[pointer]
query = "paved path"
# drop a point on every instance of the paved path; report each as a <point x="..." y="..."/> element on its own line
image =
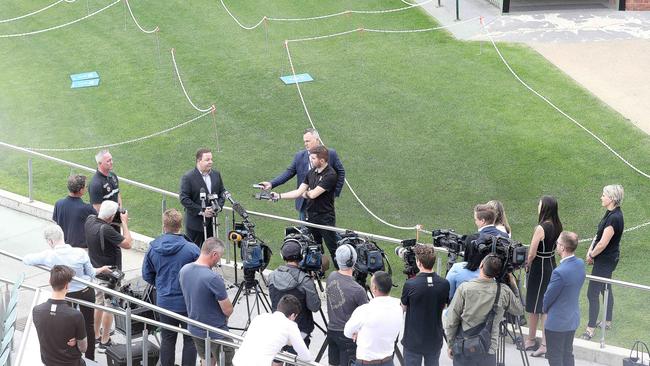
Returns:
<point x="22" y="234"/>
<point x="606" y="51"/>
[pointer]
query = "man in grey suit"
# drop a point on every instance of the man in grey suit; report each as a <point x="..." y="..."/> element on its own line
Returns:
<point x="561" y="302"/>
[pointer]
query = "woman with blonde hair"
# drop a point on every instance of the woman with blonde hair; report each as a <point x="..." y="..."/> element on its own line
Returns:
<point x="603" y="253"/>
<point x="501" y="222"/>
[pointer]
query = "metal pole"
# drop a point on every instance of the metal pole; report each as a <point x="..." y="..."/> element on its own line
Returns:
<point x="438" y="263"/>
<point x="30" y="180"/>
<point x="145" y="351"/>
<point x="603" y="322"/>
<point x="163" y="207"/>
<point x="457" y="11"/>
<point x="129" y="351"/>
<point x="222" y="355"/>
<point x="208" y="354"/>
<point x="439" y="5"/>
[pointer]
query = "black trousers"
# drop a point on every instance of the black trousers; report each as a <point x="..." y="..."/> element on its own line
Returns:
<point x="484" y="360"/>
<point x="87" y="294"/>
<point x="197" y="236"/>
<point x="341" y="350"/>
<point x="602" y="268"/>
<point x="329" y="237"/>
<point x="559" y="348"/>
<point x="168" y="343"/>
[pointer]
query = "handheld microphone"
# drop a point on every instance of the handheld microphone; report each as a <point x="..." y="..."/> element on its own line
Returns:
<point x="258" y="186"/>
<point x="202" y="197"/>
<point x="235" y="205"/>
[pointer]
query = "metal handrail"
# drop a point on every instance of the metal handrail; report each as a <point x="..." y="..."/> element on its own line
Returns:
<point x="175" y="195"/>
<point x="146" y="305"/>
<point x="281" y="356"/>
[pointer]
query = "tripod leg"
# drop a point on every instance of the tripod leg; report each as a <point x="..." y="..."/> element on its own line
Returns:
<point x="522" y="351"/>
<point x="321" y="352"/>
<point x="398" y="354"/>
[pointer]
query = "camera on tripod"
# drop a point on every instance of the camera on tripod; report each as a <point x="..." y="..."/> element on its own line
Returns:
<point x="311" y="252"/>
<point x="254" y="253"/>
<point x="512" y="253"/>
<point x="407" y="253"/>
<point x="370" y="258"/>
<point x="452" y="241"/>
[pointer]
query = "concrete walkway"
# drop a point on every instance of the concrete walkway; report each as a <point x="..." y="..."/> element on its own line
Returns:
<point x="606" y="51"/>
<point x="22" y="233"/>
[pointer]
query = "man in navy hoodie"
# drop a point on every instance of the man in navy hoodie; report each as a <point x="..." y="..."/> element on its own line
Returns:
<point x="166" y="256"/>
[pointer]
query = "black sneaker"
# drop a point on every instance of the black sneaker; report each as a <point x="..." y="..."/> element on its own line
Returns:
<point x="103" y="346"/>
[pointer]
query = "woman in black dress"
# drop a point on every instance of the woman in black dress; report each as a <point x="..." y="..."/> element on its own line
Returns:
<point x="603" y="253"/>
<point x="540" y="264"/>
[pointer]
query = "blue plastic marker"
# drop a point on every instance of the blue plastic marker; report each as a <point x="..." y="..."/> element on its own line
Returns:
<point x="300" y="78"/>
<point x="84" y="76"/>
<point x="84" y="83"/>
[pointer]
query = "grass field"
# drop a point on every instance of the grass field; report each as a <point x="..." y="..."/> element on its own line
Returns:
<point x="426" y="126"/>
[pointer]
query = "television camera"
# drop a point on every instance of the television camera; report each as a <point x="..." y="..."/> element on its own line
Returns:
<point x="370" y="257"/>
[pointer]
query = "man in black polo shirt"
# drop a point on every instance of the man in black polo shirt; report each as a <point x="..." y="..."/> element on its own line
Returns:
<point x="60" y="328"/>
<point x="105" y="185"/>
<point x="104" y="249"/>
<point x="70" y="213"/>
<point x="423" y="298"/>
<point x="318" y="189"/>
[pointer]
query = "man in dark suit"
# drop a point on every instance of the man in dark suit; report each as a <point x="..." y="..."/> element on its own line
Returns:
<point x="201" y="178"/>
<point x="300" y="166"/>
<point x="561" y="302"/>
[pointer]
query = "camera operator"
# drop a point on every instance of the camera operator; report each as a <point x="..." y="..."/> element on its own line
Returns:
<point x="344" y="295"/>
<point x="423" y="299"/>
<point x="289" y="279"/>
<point x="260" y="345"/>
<point x="484" y="218"/>
<point x="166" y="256"/>
<point x="301" y="165"/>
<point x="198" y="182"/>
<point x="104" y="249"/>
<point x="105" y="185"/>
<point x="77" y="259"/>
<point x="71" y="212"/>
<point x="471" y="305"/>
<point x="465" y="271"/>
<point x="318" y="190"/>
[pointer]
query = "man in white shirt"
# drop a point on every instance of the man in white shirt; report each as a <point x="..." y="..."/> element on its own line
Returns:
<point x="375" y="326"/>
<point x="268" y="333"/>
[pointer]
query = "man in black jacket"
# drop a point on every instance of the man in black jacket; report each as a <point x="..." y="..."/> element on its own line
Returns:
<point x="198" y="180"/>
<point x="290" y="279"/>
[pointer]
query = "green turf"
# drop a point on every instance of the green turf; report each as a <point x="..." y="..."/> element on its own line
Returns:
<point x="427" y="126"/>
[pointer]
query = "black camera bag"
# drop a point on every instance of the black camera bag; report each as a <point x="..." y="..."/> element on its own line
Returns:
<point x="476" y="341"/>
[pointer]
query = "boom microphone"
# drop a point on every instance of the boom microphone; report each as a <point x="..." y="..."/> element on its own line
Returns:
<point x="236" y="206"/>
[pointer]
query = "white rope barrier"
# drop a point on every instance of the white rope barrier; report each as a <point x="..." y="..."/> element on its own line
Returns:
<point x="138" y="139"/>
<point x="59" y="26"/>
<point x="210" y="109"/>
<point x="35" y="12"/>
<point x="319" y="17"/>
<point x="596" y="137"/>
<point x="136" y="22"/>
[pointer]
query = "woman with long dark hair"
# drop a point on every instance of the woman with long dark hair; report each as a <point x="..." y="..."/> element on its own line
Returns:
<point x="540" y="264"/>
<point x="603" y="253"/>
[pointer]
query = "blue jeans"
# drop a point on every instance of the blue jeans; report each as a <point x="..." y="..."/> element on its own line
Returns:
<point x="412" y="358"/>
<point x="168" y="343"/>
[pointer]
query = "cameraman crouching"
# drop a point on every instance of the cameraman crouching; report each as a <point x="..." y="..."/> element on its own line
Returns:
<point x="470" y="308"/>
<point x="289" y="279"/>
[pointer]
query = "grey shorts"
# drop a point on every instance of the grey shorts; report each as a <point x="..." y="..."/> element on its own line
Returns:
<point x="215" y="350"/>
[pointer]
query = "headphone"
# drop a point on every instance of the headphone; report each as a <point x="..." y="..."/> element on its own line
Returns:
<point x="350" y="262"/>
<point x="287" y="241"/>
